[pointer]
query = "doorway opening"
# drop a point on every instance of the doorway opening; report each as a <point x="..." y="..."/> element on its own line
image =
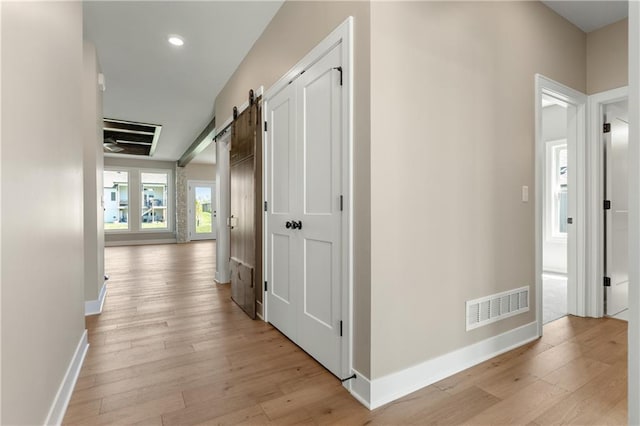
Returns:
<point x="202" y="210"/>
<point x="556" y="208"/>
<point x="560" y="200"/>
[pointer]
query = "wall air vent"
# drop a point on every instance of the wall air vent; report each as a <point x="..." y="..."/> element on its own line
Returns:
<point x="128" y="137"/>
<point x="499" y="306"/>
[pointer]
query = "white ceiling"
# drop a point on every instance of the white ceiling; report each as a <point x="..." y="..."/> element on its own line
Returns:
<point x="148" y="80"/>
<point x="590" y="15"/>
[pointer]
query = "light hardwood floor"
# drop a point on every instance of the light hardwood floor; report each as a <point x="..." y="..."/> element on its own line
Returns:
<point x="171" y="348"/>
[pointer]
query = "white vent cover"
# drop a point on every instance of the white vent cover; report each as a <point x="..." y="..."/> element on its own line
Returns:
<point x="493" y="308"/>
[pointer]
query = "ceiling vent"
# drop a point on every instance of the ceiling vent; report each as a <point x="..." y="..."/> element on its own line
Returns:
<point x="127" y="137"/>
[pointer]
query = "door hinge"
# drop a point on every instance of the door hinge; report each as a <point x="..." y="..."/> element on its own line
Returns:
<point x="265" y="126"/>
<point x="340" y="71"/>
<point x="606" y="127"/>
<point x="340" y="328"/>
<point x="265" y="286"/>
<point x="607" y="281"/>
<point x="341" y="203"/>
<point x="607" y="204"/>
<point x="265" y="206"/>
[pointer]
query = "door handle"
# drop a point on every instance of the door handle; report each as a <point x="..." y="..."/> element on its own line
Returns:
<point x="293" y="224"/>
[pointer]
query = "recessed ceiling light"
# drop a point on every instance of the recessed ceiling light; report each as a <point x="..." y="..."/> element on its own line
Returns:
<point x="176" y="40"/>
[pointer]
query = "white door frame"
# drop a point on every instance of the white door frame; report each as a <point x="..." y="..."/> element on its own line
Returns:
<point x="634" y="213"/>
<point x="576" y="297"/>
<point x="595" y="198"/>
<point x="190" y="202"/>
<point x="342" y="34"/>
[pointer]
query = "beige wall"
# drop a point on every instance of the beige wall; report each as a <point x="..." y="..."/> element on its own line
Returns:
<point x="93" y="167"/>
<point x="134" y="165"/>
<point x="607" y="57"/>
<point x="42" y="202"/>
<point x="200" y="171"/>
<point x="452" y="125"/>
<point x="293" y="32"/>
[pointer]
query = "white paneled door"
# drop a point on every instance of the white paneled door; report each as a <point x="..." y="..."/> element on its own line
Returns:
<point x="616" y="218"/>
<point x="304" y="216"/>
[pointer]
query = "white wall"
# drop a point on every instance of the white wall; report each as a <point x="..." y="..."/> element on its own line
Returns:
<point x="42" y="202"/>
<point x="93" y="176"/>
<point x="554" y="127"/>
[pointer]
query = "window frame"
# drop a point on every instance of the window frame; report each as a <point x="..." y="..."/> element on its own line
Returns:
<point x="169" y="189"/>
<point x="128" y="172"/>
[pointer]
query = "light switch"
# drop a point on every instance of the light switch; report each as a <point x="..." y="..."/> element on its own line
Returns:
<point x="525" y="194"/>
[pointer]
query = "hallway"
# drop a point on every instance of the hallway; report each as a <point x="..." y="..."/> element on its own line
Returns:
<point x="171" y="348"/>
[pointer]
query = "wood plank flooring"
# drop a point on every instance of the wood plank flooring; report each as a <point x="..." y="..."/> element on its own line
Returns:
<point x="170" y="348"/>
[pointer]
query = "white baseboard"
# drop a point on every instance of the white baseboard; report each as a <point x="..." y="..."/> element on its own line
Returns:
<point x="139" y="242"/>
<point x="388" y="388"/>
<point x="360" y="388"/>
<point x="94" y="307"/>
<point x="260" y="310"/>
<point x="61" y="401"/>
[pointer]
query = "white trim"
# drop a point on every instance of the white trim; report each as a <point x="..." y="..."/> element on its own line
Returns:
<point x="134" y="178"/>
<point x="360" y="388"/>
<point x="576" y="263"/>
<point x="260" y="309"/>
<point x="634" y="214"/>
<point x="343" y="34"/>
<point x="375" y="393"/>
<point x="595" y="195"/>
<point x="94" y="307"/>
<point x="63" y="396"/>
<point x="139" y="242"/>
<point x="169" y="202"/>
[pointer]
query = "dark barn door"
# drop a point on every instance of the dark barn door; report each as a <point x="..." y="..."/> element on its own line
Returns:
<point x="246" y="213"/>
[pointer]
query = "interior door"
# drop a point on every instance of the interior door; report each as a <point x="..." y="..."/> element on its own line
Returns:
<point x="617" y="225"/>
<point x="202" y="211"/>
<point x="319" y="185"/>
<point x="282" y="252"/>
<point x="304" y="164"/>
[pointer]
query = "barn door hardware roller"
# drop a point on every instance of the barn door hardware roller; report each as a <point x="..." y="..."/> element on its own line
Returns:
<point x="252" y="97"/>
<point x="235" y="112"/>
